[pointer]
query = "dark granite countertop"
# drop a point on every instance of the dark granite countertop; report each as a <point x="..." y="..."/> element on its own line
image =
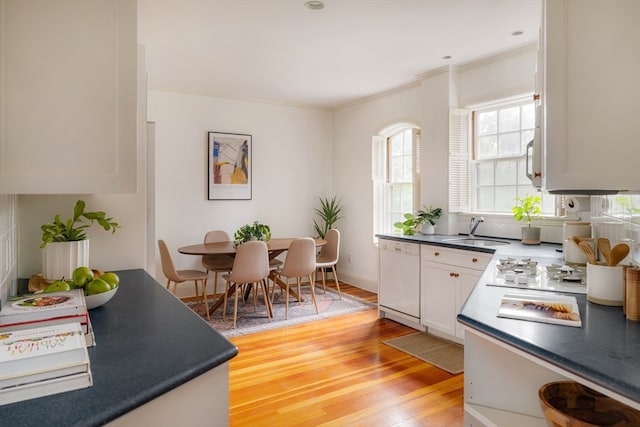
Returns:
<point x="605" y="350"/>
<point x="147" y="343"/>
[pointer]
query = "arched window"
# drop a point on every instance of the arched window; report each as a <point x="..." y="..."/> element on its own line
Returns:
<point x="396" y="175"/>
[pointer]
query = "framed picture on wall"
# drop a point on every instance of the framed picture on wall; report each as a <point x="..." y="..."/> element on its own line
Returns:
<point x="229" y="166"/>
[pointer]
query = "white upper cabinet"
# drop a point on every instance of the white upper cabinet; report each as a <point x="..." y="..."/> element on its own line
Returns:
<point x="591" y="94"/>
<point x="68" y="96"/>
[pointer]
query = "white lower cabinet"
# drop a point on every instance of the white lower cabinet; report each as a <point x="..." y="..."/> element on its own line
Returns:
<point x="447" y="277"/>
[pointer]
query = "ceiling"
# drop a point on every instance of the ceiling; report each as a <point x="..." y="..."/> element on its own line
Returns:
<point x="282" y="52"/>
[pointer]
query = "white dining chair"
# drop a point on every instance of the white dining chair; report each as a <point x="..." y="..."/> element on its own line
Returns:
<point x="217" y="263"/>
<point x="300" y="262"/>
<point x="328" y="258"/>
<point x="250" y="266"/>
<point x="180" y="276"/>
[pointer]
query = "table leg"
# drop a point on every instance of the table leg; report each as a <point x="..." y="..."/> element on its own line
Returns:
<point x="220" y="301"/>
<point x="273" y="276"/>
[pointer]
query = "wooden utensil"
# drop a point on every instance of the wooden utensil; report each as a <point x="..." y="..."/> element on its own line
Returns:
<point x="618" y="253"/>
<point x="604" y="246"/>
<point x="587" y="250"/>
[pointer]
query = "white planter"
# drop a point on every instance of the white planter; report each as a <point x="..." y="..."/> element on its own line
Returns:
<point x="428" y="228"/>
<point x="59" y="259"/>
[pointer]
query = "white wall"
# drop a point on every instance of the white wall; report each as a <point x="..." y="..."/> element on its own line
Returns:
<point x="292" y="167"/>
<point x="353" y="128"/>
<point x="426" y="104"/>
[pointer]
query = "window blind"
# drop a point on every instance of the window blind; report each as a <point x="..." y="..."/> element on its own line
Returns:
<point x="459" y="146"/>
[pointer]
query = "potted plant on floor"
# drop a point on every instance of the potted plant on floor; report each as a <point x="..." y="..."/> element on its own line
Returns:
<point x="426" y="216"/>
<point x="329" y="213"/>
<point x="255" y="231"/>
<point x="65" y="245"/>
<point x="528" y="209"/>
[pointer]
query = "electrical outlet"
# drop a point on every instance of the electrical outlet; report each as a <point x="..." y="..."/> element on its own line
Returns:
<point x="348" y="257"/>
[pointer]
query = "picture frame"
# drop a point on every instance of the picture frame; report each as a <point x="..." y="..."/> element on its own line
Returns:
<point x="229" y="166"/>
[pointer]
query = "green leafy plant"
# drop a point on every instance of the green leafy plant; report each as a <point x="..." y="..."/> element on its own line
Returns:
<point x="248" y="232"/>
<point x="329" y="213"/>
<point x="412" y="221"/>
<point x="73" y="229"/>
<point x="527" y="209"/>
<point x="429" y="214"/>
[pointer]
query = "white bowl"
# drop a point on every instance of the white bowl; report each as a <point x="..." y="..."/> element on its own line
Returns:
<point x="96" y="300"/>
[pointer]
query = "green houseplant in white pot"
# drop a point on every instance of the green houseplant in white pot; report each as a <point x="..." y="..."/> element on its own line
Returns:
<point x="65" y="245"/>
<point x="425" y="216"/>
<point x="528" y="209"/>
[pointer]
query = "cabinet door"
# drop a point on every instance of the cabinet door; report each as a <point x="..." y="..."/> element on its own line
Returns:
<point x="438" y="296"/>
<point x="467" y="281"/>
<point x="445" y="288"/>
<point x="591" y="92"/>
<point x="68" y="96"/>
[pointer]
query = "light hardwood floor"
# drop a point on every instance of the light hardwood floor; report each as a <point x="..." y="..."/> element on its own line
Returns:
<point x="337" y="372"/>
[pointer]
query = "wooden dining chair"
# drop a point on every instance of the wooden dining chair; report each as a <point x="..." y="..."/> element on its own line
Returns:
<point x="328" y="258"/>
<point x="217" y="263"/>
<point x="250" y="266"/>
<point x="181" y="276"/>
<point x="300" y="262"/>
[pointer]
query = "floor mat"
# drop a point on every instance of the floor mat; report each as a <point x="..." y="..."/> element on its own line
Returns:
<point x="436" y="351"/>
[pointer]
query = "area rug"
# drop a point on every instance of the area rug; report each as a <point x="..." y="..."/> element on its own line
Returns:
<point x="436" y="351"/>
<point x="250" y="321"/>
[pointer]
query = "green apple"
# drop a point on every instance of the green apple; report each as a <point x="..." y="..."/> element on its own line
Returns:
<point x="96" y="286"/>
<point x="111" y="278"/>
<point x="57" y="286"/>
<point x="81" y="276"/>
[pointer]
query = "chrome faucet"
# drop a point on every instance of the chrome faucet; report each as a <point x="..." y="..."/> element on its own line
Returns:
<point x="473" y="225"/>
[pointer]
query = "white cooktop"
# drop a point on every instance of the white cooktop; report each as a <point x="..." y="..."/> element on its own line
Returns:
<point x="528" y="274"/>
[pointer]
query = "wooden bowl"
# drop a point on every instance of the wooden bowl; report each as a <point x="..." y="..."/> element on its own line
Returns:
<point x="570" y="404"/>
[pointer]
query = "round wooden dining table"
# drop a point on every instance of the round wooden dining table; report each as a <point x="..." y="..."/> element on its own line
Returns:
<point x="275" y="246"/>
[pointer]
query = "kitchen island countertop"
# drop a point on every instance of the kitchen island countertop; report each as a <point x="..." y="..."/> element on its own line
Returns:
<point x="604" y="352"/>
<point x="147" y="344"/>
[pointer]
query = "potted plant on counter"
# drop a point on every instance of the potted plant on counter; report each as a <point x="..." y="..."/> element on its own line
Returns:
<point x="528" y="209"/>
<point x="255" y="231"/>
<point x="425" y="217"/>
<point x="65" y="245"/>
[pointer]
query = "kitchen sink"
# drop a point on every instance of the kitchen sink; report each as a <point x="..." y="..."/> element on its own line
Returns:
<point x="477" y="241"/>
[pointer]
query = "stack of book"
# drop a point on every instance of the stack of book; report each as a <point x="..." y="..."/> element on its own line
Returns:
<point x="47" y="309"/>
<point x="42" y="361"/>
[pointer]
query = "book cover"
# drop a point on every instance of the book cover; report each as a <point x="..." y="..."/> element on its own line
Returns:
<point x="35" y="307"/>
<point x="45" y="374"/>
<point x="41" y="349"/>
<point x="556" y="309"/>
<point x="82" y="319"/>
<point x="45" y="388"/>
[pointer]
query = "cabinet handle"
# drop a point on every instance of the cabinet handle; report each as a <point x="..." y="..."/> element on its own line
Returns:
<point x="436" y="254"/>
<point x="451" y="274"/>
<point x="536" y="96"/>
<point x="474" y="259"/>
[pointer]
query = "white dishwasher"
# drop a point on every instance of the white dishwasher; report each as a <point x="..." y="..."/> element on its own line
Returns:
<point x="399" y="280"/>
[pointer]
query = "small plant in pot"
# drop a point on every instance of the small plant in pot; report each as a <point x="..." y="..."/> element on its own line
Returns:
<point x="528" y="209"/>
<point x="65" y="244"/>
<point x="425" y="216"/>
<point x="255" y="231"/>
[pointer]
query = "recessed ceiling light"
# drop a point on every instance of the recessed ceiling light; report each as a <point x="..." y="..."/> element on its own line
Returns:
<point x="446" y="57"/>
<point x="517" y="33"/>
<point x="314" y="5"/>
